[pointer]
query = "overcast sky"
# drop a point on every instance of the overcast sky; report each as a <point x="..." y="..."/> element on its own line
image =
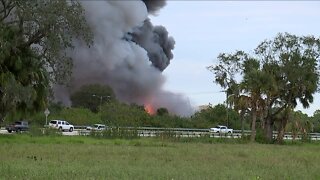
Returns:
<point x="203" y="29"/>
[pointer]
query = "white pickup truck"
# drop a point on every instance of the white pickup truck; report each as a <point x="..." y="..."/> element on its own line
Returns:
<point x="221" y="129"/>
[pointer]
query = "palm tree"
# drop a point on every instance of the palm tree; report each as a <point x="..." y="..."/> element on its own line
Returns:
<point x="291" y="64"/>
<point x="254" y="86"/>
<point x="240" y="104"/>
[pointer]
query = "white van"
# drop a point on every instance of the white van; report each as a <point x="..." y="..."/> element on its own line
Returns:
<point x="61" y="125"/>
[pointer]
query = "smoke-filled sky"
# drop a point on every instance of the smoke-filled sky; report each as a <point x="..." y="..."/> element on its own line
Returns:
<point x="203" y="29"/>
<point x="129" y="54"/>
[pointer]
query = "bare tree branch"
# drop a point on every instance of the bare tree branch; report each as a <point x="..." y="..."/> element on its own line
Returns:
<point x="7" y="8"/>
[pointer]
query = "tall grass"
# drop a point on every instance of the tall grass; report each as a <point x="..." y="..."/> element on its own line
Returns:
<point x="54" y="157"/>
<point x="114" y="133"/>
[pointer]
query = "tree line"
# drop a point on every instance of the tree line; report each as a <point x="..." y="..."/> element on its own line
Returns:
<point x="270" y="82"/>
<point x="87" y="109"/>
<point x="263" y="87"/>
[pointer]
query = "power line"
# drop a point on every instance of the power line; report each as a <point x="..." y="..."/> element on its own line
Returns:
<point x="205" y="92"/>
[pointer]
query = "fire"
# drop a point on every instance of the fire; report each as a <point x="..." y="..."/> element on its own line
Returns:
<point x="149" y="109"/>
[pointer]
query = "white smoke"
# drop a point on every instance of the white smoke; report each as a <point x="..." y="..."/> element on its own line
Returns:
<point x="119" y="62"/>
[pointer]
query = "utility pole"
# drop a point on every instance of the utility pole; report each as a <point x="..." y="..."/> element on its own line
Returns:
<point x="100" y="97"/>
<point x="227" y="108"/>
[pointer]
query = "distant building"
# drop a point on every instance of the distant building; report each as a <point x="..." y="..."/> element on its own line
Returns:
<point x="203" y="107"/>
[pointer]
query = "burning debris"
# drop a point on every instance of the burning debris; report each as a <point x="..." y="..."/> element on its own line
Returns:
<point x="128" y="54"/>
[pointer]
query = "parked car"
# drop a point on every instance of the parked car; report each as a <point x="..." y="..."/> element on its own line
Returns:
<point x="97" y="127"/>
<point x="61" y="125"/>
<point x="221" y="129"/>
<point x="18" y="126"/>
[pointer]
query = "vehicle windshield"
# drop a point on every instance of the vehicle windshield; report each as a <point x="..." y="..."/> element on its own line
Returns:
<point x="96" y="125"/>
<point x="218" y="127"/>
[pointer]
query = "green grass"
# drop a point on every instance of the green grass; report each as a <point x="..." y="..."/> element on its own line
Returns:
<point x="62" y="157"/>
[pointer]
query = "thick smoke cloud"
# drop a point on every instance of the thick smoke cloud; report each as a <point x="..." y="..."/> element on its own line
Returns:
<point x="120" y="54"/>
<point x="156" y="41"/>
<point x="154" y="6"/>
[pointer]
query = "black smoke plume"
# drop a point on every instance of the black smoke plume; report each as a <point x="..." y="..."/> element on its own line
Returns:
<point x="156" y="41"/>
<point x="128" y="55"/>
<point x="154" y="6"/>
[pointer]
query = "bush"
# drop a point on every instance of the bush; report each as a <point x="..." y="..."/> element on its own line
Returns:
<point x="36" y="130"/>
<point x="116" y="133"/>
<point x="77" y="116"/>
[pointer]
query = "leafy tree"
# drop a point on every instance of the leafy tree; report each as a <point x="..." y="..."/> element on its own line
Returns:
<point x="241" y="106"/>
<point x="162" y="112"/>
<point x="171" y="121"/>
<point x="316" y="121"/>
<point x="214" y="115"/>
<point x="292" y="63"/>
<point x="211" y="116"/>
<point x="254" y="85"/>
<point x="245" y="94"/>
<point x="22" y="78"/>
<point x="34" y="37"/>
<point x="76" y="116"/>
<point x="123" y="115"/>
<point x="92" y="96"/>
<point x="272" y="80"/>
<point x="115" y="113"/>
<point x="299" y="123"/>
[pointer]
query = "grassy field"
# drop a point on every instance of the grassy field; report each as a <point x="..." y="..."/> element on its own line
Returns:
<point x="26" y="157"/>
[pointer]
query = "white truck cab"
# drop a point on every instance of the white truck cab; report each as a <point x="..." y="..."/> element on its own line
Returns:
<point x="221" y="129"/>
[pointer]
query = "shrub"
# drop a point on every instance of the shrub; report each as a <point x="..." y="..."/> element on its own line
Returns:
<point x="36" y="130"/>
<point x="116" y="133"/>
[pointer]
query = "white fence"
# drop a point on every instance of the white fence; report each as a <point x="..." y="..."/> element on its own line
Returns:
<point x="183" y="132"/>
<point x="189" y="132"/>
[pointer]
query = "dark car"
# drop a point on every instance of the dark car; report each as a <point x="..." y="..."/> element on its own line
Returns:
<point x="18" y="126"/>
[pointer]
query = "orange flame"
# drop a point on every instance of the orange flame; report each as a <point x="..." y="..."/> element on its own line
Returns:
<point x="149" y="109"/>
